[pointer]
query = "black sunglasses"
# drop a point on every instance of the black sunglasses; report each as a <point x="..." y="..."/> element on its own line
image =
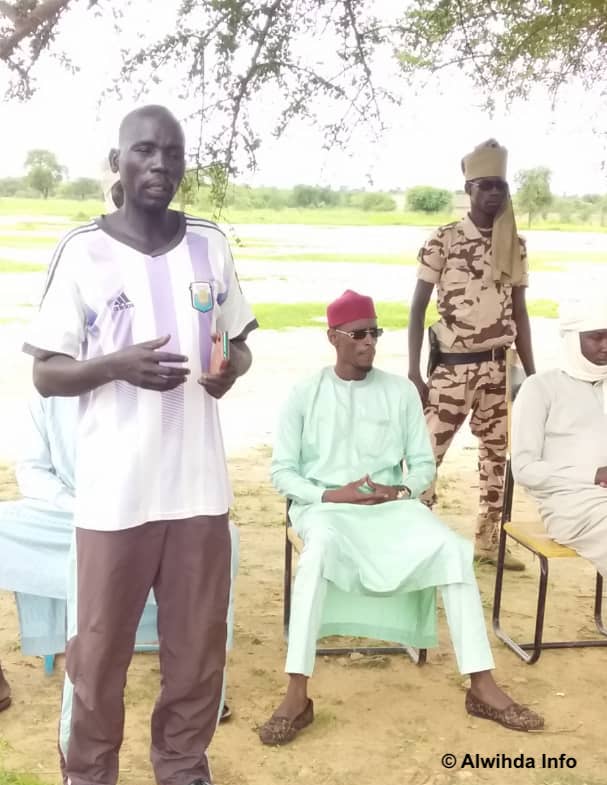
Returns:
<point x="359" y="335"/>
<point x="488" y="184"/>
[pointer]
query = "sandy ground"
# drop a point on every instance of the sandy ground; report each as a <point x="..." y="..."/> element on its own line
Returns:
<point x="379" y="719"/>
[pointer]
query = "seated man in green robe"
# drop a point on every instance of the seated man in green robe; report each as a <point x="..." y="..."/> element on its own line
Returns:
<point x="340" y="446"/>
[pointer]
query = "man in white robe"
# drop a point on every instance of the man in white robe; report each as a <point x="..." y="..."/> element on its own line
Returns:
<point x="559" y="432"/>
<point x="338" y="456"/>
<point x="36" y="536"/>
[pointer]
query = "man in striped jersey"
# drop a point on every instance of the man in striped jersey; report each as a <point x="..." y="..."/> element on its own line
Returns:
<point x="127" y="320"/>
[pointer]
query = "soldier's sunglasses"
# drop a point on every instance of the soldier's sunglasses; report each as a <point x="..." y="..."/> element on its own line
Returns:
<point x="359" y="335"/>
<point x="490" y="184"/>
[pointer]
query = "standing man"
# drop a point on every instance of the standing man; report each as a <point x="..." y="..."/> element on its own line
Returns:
<point x="131" y="305"/>
<point x="479" y="266"/>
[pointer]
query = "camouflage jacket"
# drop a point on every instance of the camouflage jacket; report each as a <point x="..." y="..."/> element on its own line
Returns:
<point x="475" y="311"/>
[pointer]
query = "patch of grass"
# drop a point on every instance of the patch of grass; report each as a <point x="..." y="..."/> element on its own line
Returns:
<point x="328" y="216"/>
<point x="283" y="316"/>
<point x="58" y="225"/>
<point x="558" y="226"/>
<point x="12" y="778"/>
<point x="67" y="208"/>
<point x="314" y="256"/>
<point x="9" y="266"/>
<point x="27" y="241"/>
<point x="390" y="315"/>
<point x="258" y="242"/>
<point x="550" y="261"/>
<point x="547" y="309"/>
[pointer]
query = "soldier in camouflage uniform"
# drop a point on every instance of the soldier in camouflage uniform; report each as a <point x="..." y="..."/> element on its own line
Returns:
<point x="479" y="266"/>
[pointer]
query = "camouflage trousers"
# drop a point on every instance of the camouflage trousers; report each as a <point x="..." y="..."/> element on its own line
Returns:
<point x="478" y="389"/>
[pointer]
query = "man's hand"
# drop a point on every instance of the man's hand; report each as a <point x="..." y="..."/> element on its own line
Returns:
<point x="350" y="493"/>
<point x="217" y="384"/>
<point x="140" y="365"/>
<point x="422" y="387"/>
<point x="389" y="491"/>
<point x="600" y="477"/>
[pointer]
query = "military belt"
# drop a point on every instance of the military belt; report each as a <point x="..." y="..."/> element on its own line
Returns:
<point x="466" y="358"/>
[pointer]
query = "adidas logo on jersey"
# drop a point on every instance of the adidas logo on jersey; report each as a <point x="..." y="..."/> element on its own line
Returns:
<point x="121" y="303"/>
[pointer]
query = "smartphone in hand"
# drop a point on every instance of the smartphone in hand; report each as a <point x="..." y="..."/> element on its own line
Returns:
<point x="220" y="351"/>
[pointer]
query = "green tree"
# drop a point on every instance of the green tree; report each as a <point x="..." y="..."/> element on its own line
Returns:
<point x="9" y="186"/>
<point x="377" y="202"/>
<point x="188" y="190"/>
<point x="508" y="46"/>
<point x="426" y="199"/>
<point x="313" y="196"/>
<point x="229" y="56"/>
<point x="82" y="188"/>
<point x="533" y="194"/>
<point x="232" y="54"/>
<point x="44" y="172"/>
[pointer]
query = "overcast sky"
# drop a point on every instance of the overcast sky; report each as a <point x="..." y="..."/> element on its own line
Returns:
<point x="426" y="139"/>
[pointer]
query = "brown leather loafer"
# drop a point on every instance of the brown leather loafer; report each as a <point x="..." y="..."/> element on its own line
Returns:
<point x="514" y="716"/>
<point x="281" y="730"/>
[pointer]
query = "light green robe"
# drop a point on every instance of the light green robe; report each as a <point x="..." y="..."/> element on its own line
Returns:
<point x="385" y="561"/>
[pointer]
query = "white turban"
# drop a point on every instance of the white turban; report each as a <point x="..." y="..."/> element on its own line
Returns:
<point x="580" y="313"/>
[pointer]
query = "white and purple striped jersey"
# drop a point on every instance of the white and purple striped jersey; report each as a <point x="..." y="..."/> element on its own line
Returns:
<point x="144" y="455"/>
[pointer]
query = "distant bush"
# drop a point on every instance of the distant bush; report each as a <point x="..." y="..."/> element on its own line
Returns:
<point x="313" y="196"/>
<point x="10" y="186"/>
<point x="82" y="188"/>
<point x="378" y="202"/>
<point x="373" y="201"/>
<point x="426" y="199"/>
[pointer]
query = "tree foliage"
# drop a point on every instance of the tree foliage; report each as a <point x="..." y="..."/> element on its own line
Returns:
<point x="426" y="199"/>
<point x="44" y="172"/>
<point x="240" y="45"/>
<point x="230" y="58"/>
<point x="509" y="46"/>
<point x="373" y="202"/>
<point x="314" y="196"/>
<point x="82" y="188"/>
<point x="10" y="186"/>
<point x="533" y="194"/>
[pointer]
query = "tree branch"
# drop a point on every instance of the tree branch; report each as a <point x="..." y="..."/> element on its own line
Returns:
<point x="271" y="12"/>
<point x="40" y="16"/>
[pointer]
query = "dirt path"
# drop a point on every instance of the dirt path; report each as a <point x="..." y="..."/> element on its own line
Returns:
<point x="379" y="719"/>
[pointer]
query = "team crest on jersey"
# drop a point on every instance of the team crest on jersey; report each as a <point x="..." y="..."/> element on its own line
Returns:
<point x="201" y="293"/>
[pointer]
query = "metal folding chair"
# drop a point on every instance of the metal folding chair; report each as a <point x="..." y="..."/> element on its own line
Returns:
<point x="532" y="536"/>
<point x="293" y="542"/>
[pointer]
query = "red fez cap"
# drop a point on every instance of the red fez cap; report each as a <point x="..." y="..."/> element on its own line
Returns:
<point x="350" y="307"/>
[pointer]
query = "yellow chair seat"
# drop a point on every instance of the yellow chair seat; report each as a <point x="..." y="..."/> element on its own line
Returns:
<point x="295" y="539"/>
<point x="534" y="536"/>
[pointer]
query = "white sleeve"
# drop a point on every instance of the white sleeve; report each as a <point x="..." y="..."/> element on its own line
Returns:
<point x="60" y="324"/>
<point x="36" y="475"/>
<point x="235" y="315"/>
<point x="529" y="414"/>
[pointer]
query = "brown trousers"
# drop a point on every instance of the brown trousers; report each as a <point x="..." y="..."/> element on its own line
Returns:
<point x="479" y="389"/>
<point x="187" y="562"/>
